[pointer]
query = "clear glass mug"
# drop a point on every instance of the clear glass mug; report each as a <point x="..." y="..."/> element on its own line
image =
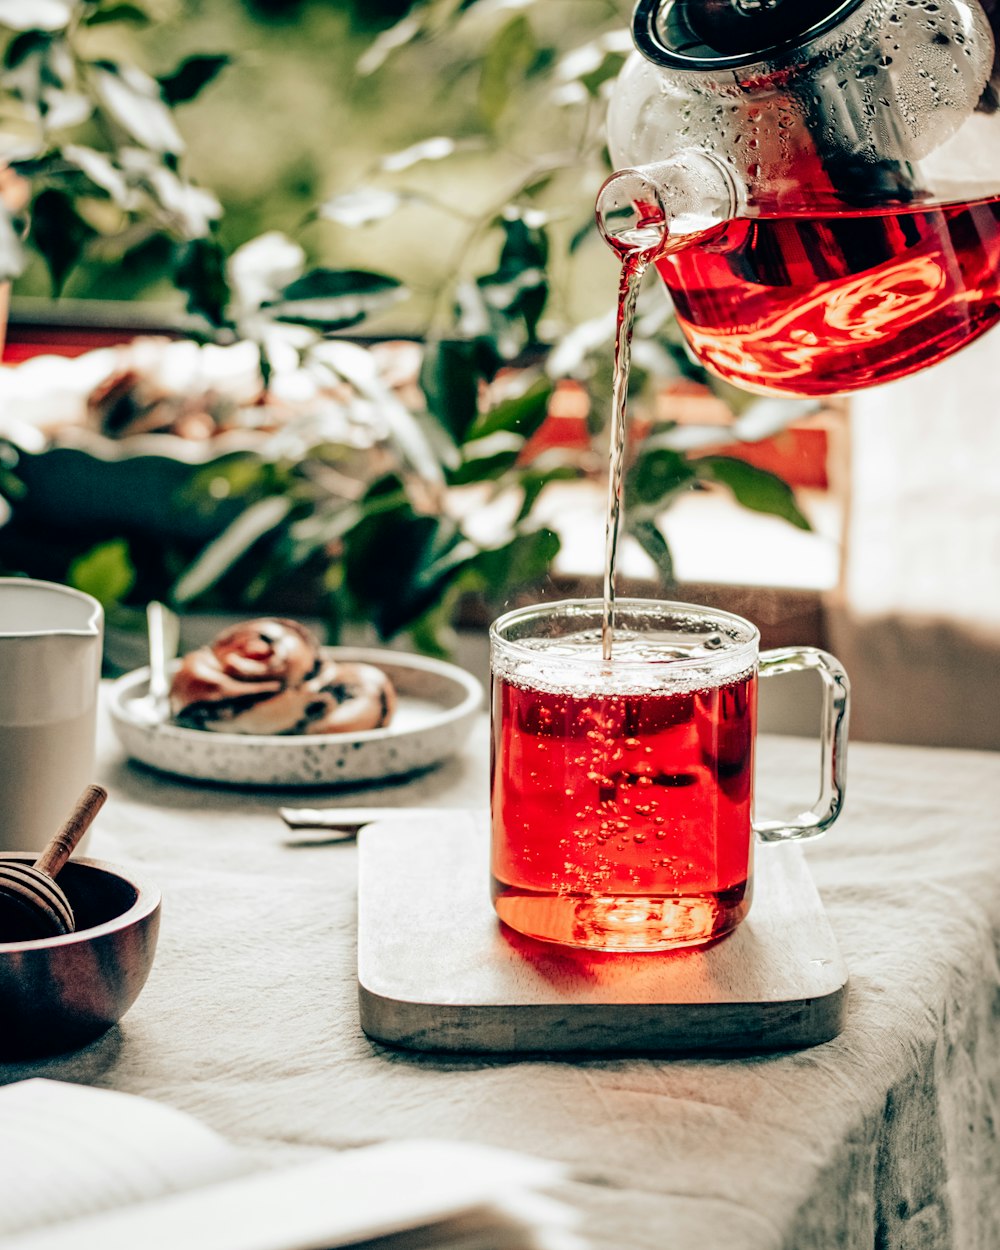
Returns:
<point x="622" y="791"/>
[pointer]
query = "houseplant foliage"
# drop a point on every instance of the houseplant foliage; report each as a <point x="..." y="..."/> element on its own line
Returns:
<point x="534" y="90"/>
<point x="379" y="538"/>
<point x="95" y="139"/>
<point x="97" y="143"/>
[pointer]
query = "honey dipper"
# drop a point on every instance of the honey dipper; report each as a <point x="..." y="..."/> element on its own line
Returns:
<point x="32" y="905"/>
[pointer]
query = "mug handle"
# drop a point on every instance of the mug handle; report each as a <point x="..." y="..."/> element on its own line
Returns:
<point x="833" y="741"/>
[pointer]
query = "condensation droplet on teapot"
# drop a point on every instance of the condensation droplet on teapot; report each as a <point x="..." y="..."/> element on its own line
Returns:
<point x="852" y="93"/>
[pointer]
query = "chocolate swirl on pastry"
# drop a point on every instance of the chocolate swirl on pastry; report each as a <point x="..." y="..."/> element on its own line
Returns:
<point x="269" y="676"/>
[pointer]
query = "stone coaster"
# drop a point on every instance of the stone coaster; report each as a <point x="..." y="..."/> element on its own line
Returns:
<point x="437" y="972"/>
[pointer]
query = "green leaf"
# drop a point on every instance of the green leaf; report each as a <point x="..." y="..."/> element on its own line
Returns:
<point x="132" y="98"/>
<point x="334" y="283"/>
<point x="378" y="52"/>
<point x="261" y="267"/>
<point x="533" y="482"/>
<point x="650" y="538"/>
<point x="24" y="45"/>
<point x="101" y="170"/>
<point x="234" y="542"/>
<point x="433" y="633"/>
<point x="657" y="474"/>
<point x="592" y="65"/>
<point x="484" y="468"/>
<point x="607" y="70"/>
<point x="238" y="475"/>
<point x="130" y="13"/>
<point x="333" y="299"/>
<point x="523" y="561"/>
<point x="441" y="566"/>
<point x="355" y="365"/>
<point x="12" y="489"/>
<point x="526" y="242"/>
<point x="36" y="14"/>
<point x="581" y="234"/>
<point x="200" y="272"/>
<point x="191" y="76"/>
<point x="191" y="210"/>
<point x="385" y="557"/>
<point x="535" y="186"/>
<point x="521" y="414"/>
<point x="443" y="13"/>
<point x="105" y="571"/>
<point x="59" y="233"/>
<point x="64" y="110"/>
<point x="506" y="61"/>
<point x="515" y="294"/>
<point x="437" y="148"/>
<point x="307" y="548"/>
<point x="450" y="376"/>
<point x="363" y="206"/>
<point x="320" y="531"/>
<point x="754" y="488"/>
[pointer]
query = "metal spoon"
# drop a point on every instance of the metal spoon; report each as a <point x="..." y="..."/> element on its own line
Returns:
<point x="322" y="826"/>
<point x="153" y="708"/>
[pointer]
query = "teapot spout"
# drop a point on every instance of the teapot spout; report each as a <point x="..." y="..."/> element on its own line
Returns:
<point x="651" y="209"/>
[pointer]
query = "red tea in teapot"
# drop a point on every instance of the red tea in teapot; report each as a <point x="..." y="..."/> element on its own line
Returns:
<point x="822" y="179"/>
<point x="815" y="305"/>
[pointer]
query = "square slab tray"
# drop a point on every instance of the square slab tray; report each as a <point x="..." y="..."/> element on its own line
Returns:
<point x="437" y="972"/>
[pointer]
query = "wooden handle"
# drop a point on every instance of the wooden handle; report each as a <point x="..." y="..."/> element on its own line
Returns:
<point x="77" y="823"/>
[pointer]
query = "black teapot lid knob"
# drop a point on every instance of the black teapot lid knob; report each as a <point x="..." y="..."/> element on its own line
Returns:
<point x="723" y="34"/>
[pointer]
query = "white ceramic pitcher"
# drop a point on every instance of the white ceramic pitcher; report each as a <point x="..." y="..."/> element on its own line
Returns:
<point x="50" y="669"/>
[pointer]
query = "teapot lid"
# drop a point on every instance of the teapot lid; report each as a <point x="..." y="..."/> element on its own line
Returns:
<point x="723" y="34"/>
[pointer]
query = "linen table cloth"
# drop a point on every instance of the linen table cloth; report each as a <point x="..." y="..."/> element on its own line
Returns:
<point x="885" y="1137"/>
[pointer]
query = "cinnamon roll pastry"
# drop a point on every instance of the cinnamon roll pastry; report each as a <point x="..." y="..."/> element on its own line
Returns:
<point x="269" y="676"/>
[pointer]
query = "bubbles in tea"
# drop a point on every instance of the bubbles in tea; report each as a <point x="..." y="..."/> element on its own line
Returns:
<point x="621" y="813"/>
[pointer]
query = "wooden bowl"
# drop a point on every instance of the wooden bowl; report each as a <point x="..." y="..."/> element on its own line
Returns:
<point x="57" y="994"/>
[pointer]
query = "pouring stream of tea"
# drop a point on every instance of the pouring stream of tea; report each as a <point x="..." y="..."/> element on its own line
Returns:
<point x="633" y="267"/>
<point x="809" y="304"/>
<point x="636" y="248"/>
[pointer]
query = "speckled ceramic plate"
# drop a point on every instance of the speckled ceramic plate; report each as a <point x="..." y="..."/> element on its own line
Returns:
<point x="437" y="703"/>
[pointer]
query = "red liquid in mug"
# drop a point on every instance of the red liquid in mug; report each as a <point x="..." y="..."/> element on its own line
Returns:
<point x="623" y="821"/>
<point x="813" y="305"/>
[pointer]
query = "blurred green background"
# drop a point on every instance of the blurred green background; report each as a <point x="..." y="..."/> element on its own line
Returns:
<point x="315" y="97"/>
<point x="448" y="149"/>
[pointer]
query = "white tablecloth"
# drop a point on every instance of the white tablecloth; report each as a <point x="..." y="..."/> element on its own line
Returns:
<point x="885" y="1137"/>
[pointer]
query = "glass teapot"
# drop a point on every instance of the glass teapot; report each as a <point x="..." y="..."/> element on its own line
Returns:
<point x="817" y="181"/>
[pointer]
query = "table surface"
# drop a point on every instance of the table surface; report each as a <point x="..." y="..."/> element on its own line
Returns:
<point x="884" y="1137"/>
